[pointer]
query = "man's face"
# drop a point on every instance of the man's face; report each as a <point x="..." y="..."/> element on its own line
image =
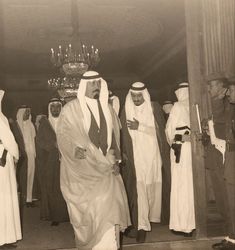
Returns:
<point x="26" y="114"/>
<point x="231" y="94"/>
<point x="93" y="89"/>
<point x="216" y="89"/>
<point x="55" y="109"/>
<point x="137" y="98"/>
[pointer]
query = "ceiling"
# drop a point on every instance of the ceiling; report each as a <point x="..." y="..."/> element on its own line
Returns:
<point x="142" y="37"/>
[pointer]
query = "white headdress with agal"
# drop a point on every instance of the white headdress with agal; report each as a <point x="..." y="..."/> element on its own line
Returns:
<point x="167" y="106"/>
<point x="6" y="136"/>
<point x="103" y="98"/>
<point x="53" y="120"/>
<point x="27" y="130"/>
<point x="182" y="91"/>
<point x="131" y="108"/>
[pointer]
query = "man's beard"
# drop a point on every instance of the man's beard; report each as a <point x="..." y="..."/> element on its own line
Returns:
<point x="26" y="118"/>
<point x="138" y="103"/>
<point x="96" y="95"/>
<point x="55" y="115"/>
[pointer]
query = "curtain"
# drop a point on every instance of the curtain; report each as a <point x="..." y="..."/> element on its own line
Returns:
<point x="218" y="38"/>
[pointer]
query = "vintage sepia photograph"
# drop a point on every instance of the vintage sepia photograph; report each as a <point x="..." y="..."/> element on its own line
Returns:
<point x="117" y="124"/>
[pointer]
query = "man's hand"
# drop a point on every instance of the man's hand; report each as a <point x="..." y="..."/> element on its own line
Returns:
<point x="116" y="169"/>
<point x="133" y="125"/>
<point x="80" y="153"/>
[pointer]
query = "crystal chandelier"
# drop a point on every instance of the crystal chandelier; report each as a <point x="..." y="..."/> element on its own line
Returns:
<point x="75" y="62"/>
<point x="72" y="61"/>
<point x="71" y="64"/>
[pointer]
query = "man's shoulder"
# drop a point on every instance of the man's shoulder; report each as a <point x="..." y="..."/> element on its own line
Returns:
<point x="69" y="105"/>
<point x="178" y="105"/>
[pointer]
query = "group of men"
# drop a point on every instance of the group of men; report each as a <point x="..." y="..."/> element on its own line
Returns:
<point x="36" y="164"/>
<point x="117" y="167"/>
<point x="116" y="175"/>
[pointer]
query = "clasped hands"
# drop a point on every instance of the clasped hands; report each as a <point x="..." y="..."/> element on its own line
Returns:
<point x="81" y="153"/>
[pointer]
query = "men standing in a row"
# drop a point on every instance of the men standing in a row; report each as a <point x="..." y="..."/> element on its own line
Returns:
<point x="182" y="216"/>
<point x="143" y="141"/>
<point x="229" y="171"/>
<point x="10" y="229"/>
<point x="88" y="139"/>
<point x="24" y="132"/>
<point x="52" y="206"/>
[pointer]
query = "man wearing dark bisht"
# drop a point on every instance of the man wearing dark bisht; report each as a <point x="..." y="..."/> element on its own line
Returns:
<point x="145" y="153"/>
<point x="88" y="139"/>
<point x="52" y="206"/>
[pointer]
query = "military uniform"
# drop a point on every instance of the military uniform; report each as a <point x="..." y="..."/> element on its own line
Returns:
<point x="229" y="172"/>
<point x="214" y="159"/>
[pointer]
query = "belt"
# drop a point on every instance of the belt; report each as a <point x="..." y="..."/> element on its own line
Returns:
<point x="183" y="128"/>
<point x="230" y="147"/>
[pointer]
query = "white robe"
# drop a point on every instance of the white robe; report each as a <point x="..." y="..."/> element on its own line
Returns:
<point x="29" y="133"/>
<point x="10" y="229"/>
<point x="182" y="216"/>
<point x="147" y="160"/>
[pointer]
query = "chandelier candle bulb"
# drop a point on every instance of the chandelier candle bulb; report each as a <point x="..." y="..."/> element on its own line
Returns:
<point x="71" y="64"/>
<point x="92" y="49"/>
<point x="83" y="49"/>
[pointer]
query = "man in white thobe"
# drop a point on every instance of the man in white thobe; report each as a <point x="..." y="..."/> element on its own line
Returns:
<point x="10" y="229"/>
<point x="142" y="172"/>
<point x="182" y="216"/>
<point x="28" y="132"/>
<point x="88" y="139"/>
